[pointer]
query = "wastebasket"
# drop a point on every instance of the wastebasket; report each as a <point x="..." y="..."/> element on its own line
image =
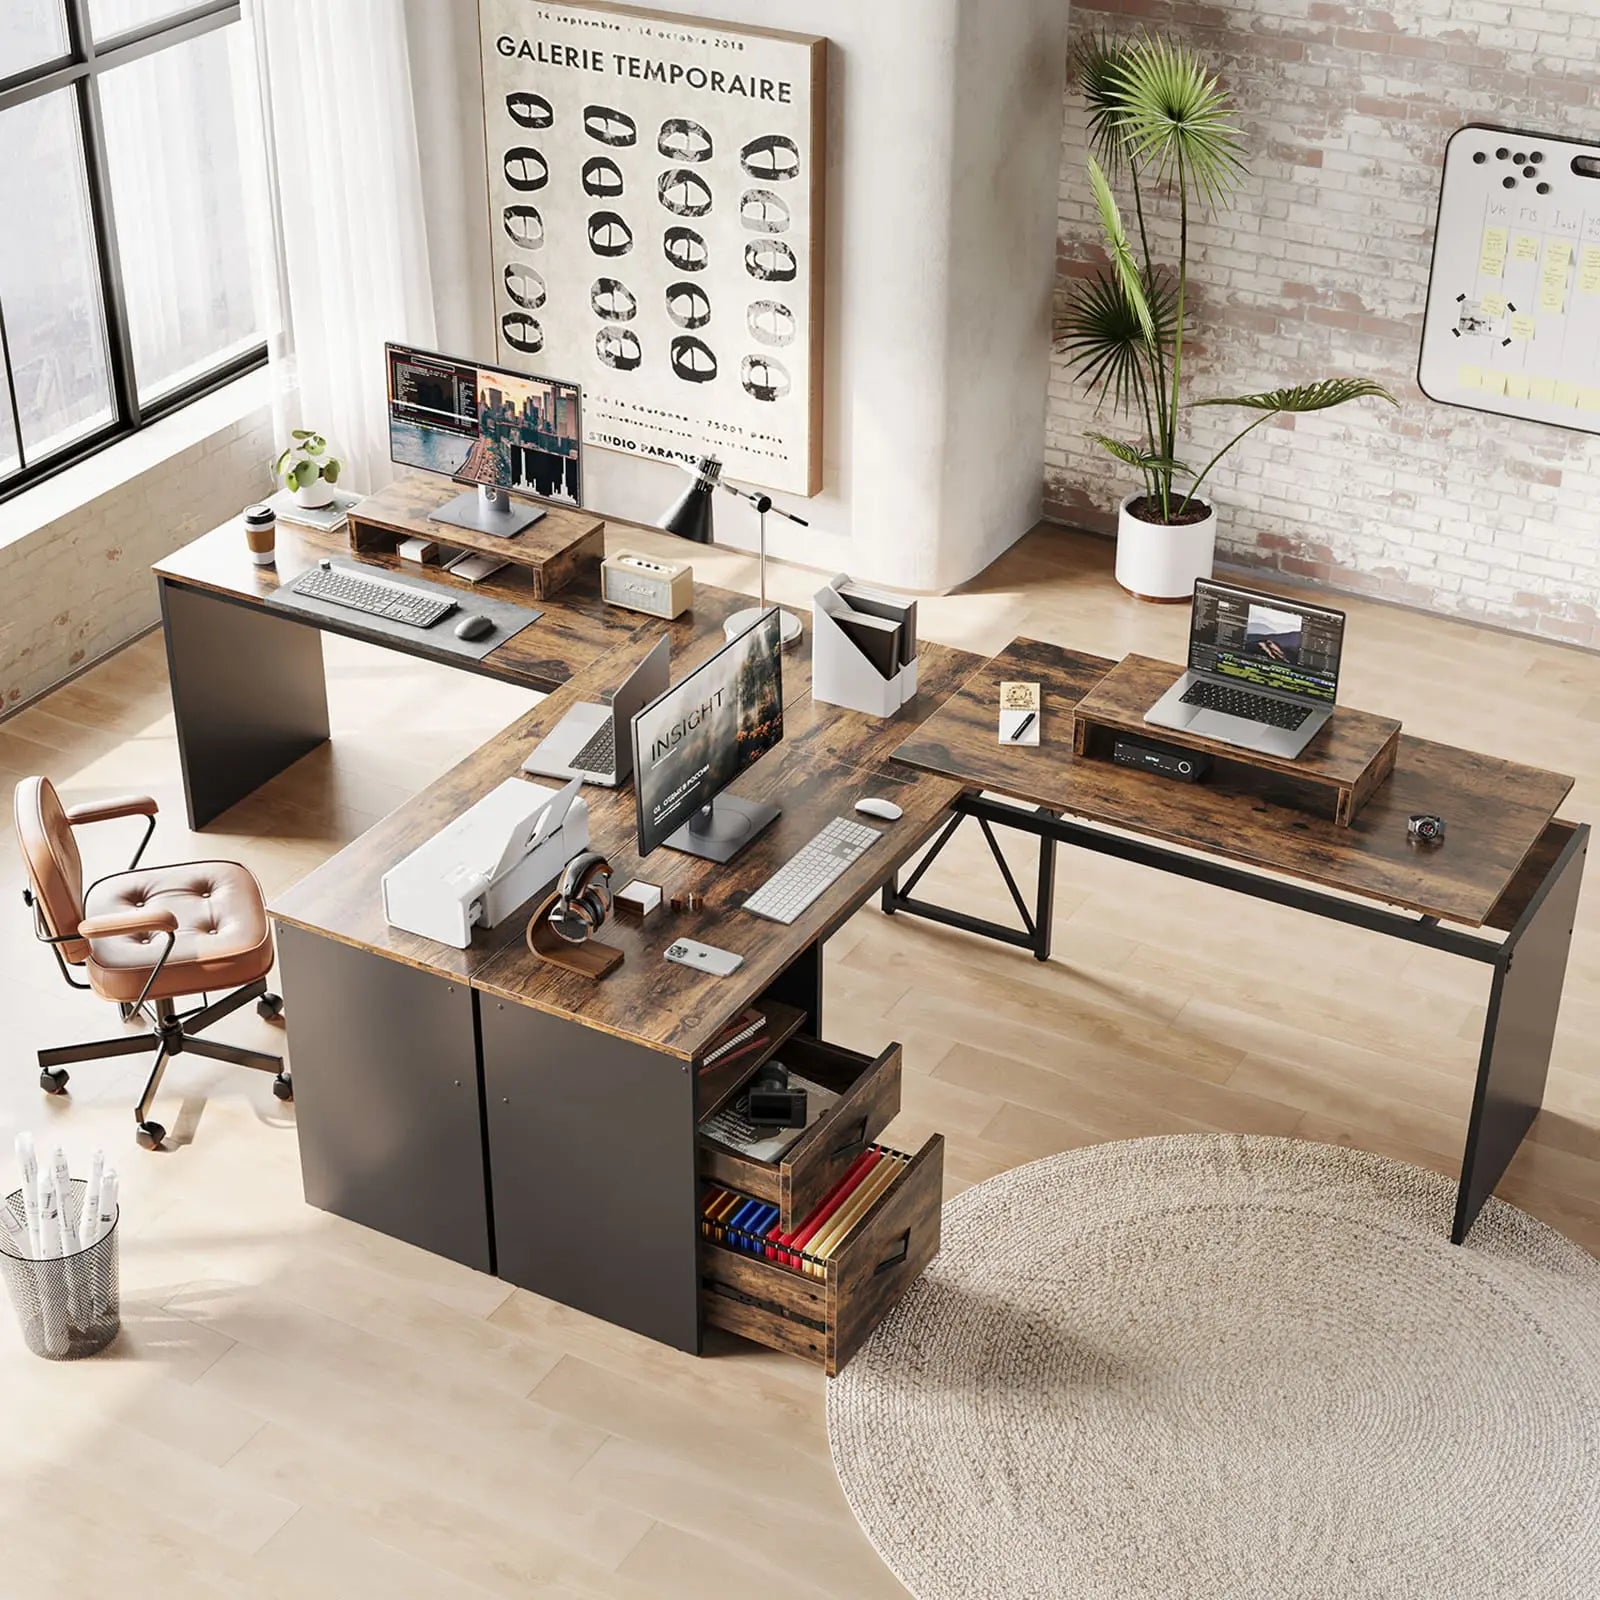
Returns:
<point x="69" y="1306"/>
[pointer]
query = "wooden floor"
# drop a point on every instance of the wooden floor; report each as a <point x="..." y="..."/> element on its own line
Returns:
<point x="299" y="1407"/>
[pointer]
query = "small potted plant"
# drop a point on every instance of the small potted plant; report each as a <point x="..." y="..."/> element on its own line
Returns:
<point x="1159" y="118"/>
<point x="308" y="469"/>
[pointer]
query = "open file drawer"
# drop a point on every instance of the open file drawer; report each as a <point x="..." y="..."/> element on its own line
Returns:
<point x="826" y="1317"/>
<point x="869" y="1100"/>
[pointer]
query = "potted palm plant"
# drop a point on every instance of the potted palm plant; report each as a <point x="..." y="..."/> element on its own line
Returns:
<point x="1161" y="121"/>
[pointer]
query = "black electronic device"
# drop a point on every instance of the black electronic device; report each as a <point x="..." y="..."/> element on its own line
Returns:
<point x="771" y="1103"/>
<point x="583" y="897"/>
<point x="704" y="732"/>
<point x="488" y="426"/>
<point x="1187" y="766"/>
<point x="1425" y="828"/>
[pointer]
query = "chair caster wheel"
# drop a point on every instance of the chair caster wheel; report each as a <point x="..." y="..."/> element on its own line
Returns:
<point x="150" y="1135"/>
<point x="53" y="1082"/>
<point x="283" y="1086"/>
<point x="269" y="1006"/>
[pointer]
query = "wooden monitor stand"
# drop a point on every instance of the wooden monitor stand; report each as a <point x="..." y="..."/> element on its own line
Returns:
<point x="1334" y="776"/>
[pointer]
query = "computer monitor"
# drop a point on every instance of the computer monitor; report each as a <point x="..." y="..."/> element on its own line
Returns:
<point x="1266" y="640"/>
<point x="488" y="426"/>
<point x="693" y="741"/>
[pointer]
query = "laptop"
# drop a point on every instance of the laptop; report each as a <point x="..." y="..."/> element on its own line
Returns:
<point x="1263" y="670"/>
<point x="595" y="742"/>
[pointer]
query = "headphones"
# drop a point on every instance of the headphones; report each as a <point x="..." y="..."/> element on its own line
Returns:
<point x="583" y="897"/>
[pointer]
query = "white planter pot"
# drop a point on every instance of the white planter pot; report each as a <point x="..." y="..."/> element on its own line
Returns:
<point x="1160" y="563"/>
<point x="315" y="495"/>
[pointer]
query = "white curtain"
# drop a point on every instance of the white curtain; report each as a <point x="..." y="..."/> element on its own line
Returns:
<point x="340" y="134"/>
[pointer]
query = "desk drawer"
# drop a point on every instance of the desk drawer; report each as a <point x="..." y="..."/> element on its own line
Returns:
<point x="869" y="1100"/>
<point x="826" y="1318"/>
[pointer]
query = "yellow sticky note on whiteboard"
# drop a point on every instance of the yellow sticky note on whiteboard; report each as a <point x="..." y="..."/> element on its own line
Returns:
<point x="1589" y="270"/>
<point x="1552" y="294"/>
<point x="1494" y="305"/>
<point x="1470" y="377"/>
<point x="1522" y="326"/>
<point x="1493" y="382"/>
<point x="1492" y="258"/>
<point x="1517" y="385"/>
<point x="1589" y="399"/>
<point x="1566" y="393"/>
<point x="1525" y="248"/>
<point x="1542" y="388"/>
<point x="1558" y="255"/>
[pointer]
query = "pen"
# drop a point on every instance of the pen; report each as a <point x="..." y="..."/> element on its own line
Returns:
<point x="1022" y="727"/>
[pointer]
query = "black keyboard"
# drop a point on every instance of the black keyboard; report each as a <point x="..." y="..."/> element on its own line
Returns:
<point x="1242" y="703"/>
<point x="600" y="754"/>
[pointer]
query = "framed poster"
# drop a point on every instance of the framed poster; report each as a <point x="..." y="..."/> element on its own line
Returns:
<point x="656" y="211"/>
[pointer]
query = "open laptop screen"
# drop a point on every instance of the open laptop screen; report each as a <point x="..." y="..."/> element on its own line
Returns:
<point x="1266" y="640"/>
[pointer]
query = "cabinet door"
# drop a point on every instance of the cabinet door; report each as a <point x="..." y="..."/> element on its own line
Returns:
<point x="386" y="1095"/>
<point x="592" y="1164"/>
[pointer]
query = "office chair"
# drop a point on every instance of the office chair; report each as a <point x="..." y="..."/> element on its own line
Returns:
<point x="145" y="938"/>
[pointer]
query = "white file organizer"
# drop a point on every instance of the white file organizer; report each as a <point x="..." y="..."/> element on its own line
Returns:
<point x="840" y="674"/>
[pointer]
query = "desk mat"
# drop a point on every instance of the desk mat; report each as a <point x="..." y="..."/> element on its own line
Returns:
<point x="509" y="619"/>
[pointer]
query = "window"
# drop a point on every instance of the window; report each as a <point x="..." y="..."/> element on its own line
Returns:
<point x="133" y="236"/>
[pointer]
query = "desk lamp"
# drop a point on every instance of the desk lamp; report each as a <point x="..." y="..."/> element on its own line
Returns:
<point x="690" y="518"/>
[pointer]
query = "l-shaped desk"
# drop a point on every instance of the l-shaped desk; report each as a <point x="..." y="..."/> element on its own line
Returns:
<point x="529" y="1122"/>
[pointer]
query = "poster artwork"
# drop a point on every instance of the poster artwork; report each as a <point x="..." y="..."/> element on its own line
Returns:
<point x="655" y="191"/>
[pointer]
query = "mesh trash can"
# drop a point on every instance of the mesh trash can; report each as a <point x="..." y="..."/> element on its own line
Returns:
<point x="70" y="1307"/>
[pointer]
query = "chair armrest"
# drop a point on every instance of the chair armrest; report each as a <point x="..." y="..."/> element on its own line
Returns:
<point x="125" y="805"/>
<point x="146" y="919"/>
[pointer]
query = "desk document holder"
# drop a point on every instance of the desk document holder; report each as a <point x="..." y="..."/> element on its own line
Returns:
<point x="841" y="674"/>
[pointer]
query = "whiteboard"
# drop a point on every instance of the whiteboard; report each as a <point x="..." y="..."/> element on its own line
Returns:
<point x="1513" y="318"/>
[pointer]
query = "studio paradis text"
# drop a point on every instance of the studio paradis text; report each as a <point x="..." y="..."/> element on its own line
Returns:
<point x="640" y="69"/>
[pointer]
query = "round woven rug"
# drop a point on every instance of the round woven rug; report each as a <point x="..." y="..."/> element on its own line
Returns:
<point x="1231" y="1367"/>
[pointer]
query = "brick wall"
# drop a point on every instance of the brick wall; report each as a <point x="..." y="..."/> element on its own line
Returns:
<point x="1322" y="268"/>
<point x="80" y="585"/>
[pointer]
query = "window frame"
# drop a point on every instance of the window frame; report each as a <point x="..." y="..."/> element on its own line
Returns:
<point x="79" y="71"/>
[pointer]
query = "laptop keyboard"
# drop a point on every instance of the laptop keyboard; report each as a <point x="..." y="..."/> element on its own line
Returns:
<point x="1242" y="703"/>
<point x="600" y="754"/>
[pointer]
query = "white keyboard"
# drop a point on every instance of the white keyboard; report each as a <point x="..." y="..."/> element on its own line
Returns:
<point x="820" y="862"/>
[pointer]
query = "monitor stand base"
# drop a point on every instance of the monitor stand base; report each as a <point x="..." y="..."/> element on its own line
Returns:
<point x="487" y="510"/>
<point x="721" y="830"/>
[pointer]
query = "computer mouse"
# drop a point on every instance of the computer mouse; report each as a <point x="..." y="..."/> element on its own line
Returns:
<point x="872" y="806"/>
<point x="476" y="626"/>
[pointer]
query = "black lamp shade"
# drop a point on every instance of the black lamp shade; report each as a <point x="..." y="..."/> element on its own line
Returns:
<point x="690" y="514"/>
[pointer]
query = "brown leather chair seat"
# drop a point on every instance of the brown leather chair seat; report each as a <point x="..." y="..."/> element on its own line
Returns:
<point x="222" y="938"/>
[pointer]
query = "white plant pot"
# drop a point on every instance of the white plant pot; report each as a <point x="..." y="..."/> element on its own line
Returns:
<point x="1155" y="562"/>
<point x="315" y="495"/>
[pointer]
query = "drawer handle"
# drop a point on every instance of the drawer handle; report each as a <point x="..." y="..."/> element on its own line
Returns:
<point x="858" y="1137"/>
<point x="898" y="1254"/>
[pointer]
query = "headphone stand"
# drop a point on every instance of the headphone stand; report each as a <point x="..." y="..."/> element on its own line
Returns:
<point x="591" y="958"/>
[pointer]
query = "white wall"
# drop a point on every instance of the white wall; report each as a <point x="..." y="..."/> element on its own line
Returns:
<point x="76" y="550"/>
<point x="944" y="138"/>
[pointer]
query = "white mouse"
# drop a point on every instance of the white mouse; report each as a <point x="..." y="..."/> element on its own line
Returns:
<point x="872" y="806"/>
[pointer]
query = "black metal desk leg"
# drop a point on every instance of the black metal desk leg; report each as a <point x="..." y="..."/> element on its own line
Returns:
<point x="1045" y="908"/>
<point x="1519" y="1030"/>
<point x="248" y="695"/>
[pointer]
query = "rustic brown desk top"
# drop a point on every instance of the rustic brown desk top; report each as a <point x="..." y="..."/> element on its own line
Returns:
<point x="1495" y="810"/>
<point x="829" y="758"/>
<point x="576" y="627"/>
